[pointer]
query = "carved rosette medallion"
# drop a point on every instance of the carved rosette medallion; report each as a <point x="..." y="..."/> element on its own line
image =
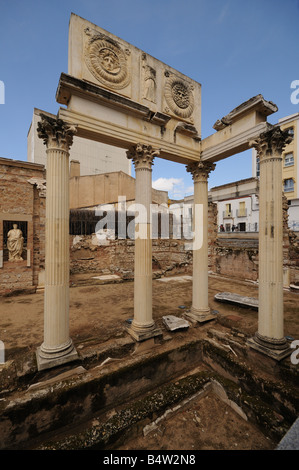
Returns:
<point x="179" y="96"/>
<point x="107" y="61"/>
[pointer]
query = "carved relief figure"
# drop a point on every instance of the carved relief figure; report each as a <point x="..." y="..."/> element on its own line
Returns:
<point x="109" y="61"/>
<point x="150" y="84"/>
<point x="15" y="242"/>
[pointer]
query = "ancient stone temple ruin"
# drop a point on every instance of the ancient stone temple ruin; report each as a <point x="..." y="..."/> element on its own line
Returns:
<point x="116" y="94"/>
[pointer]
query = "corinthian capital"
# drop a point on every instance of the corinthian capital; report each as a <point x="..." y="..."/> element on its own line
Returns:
<point x="55" y="132"/>
<point x="270" y="144"/>
<point x="200" y="170"/>
<point x="142" y="156"/>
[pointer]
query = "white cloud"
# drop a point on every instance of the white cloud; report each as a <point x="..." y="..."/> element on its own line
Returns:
<point x="167" y="184"/>
<point x="174" y="186"/>
<point x="189" y="190"/>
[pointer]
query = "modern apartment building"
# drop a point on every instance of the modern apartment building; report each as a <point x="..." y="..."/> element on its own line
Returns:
<point x="237" y="205"/>
<point x="290" y="168"/>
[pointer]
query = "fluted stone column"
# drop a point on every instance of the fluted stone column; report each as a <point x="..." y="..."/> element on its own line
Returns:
<point x="143" y="326"/>
<point x="200" y="310"/>
<point x="57" y="347"/>
<point x="269" y="338"/>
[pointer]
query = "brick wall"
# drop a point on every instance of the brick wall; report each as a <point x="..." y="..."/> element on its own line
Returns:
<point x="21" y="201"/>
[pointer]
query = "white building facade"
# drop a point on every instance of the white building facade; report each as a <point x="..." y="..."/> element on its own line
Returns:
<point x="238" y="206"/>
<point x="94" y="157"/>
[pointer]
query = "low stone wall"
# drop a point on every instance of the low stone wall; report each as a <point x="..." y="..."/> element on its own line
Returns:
<point x="239" y="258"/>
<point x="293" y="258"/>
<point x="237" y="254"/>
<point x="117" y="256"/>
<point x="236" y="258"/>
<point x="16" y="278"/>
<point x="169" y="256"/>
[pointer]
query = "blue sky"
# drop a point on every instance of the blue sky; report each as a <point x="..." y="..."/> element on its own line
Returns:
<point x="235" y="48"/>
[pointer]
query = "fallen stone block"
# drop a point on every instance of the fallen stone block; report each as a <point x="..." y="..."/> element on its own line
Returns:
<point x="236" y="299"/>
<point x="173" y="323"/>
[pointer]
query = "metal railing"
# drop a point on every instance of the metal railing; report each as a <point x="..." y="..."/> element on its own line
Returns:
<point x="227" y="214"/>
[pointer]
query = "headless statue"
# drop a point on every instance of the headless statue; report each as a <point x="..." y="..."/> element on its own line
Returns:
<point x="15" y="243"/>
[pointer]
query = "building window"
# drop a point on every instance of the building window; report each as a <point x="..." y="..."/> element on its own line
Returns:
<point x="228" y="210"/>
<point x="242" y="209"/>
<point x="257" y="167"/>
<point x="288" y="185"/>
<point x="289" y="159"/>
<point x="290" y="131"/>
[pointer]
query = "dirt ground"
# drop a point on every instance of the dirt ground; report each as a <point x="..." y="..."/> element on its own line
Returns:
<point x="205" y="424"/>
<point x="99" y="313"/>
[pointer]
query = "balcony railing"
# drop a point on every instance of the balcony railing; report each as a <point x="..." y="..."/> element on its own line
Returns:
<point x="227" y="214"/>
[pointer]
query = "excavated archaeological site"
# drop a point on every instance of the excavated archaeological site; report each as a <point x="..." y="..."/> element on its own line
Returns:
<point x="142" y="342"/>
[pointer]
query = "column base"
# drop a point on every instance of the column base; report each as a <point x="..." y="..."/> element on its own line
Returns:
<point x="50" y="360"/>
<point x="277" y="349"/>
<point x="199" y="315"/>
<point x="142" y="334"/>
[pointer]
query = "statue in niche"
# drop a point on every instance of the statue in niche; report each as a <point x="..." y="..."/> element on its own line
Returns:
<point x="15" y="242"/>
<point x="150" y="84"/>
